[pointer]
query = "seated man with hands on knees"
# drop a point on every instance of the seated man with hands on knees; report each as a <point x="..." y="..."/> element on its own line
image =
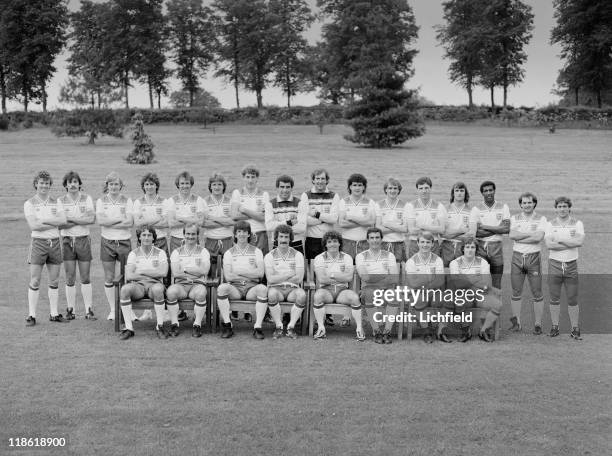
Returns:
<point x="334" y="271"/>
<point x="190" y="264"/>
<point x="378" y="270"/>
<point x="146" y="267"/>
<point x="472" y="273"/>
<point x="285" y="272"/>
<point x="243" y="268"/>
<point x="425" y="276"/>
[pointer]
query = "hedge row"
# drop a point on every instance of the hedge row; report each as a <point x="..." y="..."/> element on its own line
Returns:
<point x="523" y="116"/>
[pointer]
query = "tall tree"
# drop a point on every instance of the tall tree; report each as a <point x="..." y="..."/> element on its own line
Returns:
<point x="4" y="56"/>
<point x="249" y="36"/>
<point x="124" y="48"/>
<point x="229" y="25"/>
<point x="192" y="38"/>
<point x="290" y="63"/>
<point x="35" y="35"/>
<point x="584" y="32"/>
<point x="377" y="41"/>
<point x="88" y="70"/>
<point x="508" y="26"/>
<point x="152" y="35"/>
<point x="462" y="37"/>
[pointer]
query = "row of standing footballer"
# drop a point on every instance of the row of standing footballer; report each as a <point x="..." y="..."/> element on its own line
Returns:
<point x="372" y="237"/>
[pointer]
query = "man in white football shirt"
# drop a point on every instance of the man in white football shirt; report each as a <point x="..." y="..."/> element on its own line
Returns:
<point x="44" y="215"/>
<point x="471" y="272"/>
<point x="334" y="271"/>
<point x="76" y="243"/>
<point x="378" y="270"/>
<point x="527" y="230"/>
<point x="284" y="267"/>
<point x="563" y="236"/>
<point x="494" y="222"/>
<point x="425" y="273"/>
<point x="248" y="204"/>
<point x="356" y="213"/>
<point x="390" y="218"/>
<point x="424" y="214"/>
<point x="146" y="267"/>
<point x="114" y="214"/>
<point x="218" y="224"/>
<point x="461" y="223"/>
<point x="190" y="264"/>
<point x="243" y="268"/>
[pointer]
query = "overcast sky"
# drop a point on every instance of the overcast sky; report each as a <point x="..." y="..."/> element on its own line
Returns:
<point x="430" y="68"/>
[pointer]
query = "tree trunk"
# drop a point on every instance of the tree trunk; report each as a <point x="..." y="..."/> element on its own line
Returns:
<point x="492" y="88"/>
<point x="3" y="89"/>
<point x="259" y="99"/>
<point x="126" y="81"/>
<point x="44" y="97"/>
<point x="159" y="99"/>
<point x="99" y="100"/>
<point x="505" y="95"/>
<point x="92" y="100"/>
<point x="576" y="96"/>
<point x="191" y="97"/>
<point x="151" y="96"/>
<point x="92" y="138"/>
<point x="25" y="98"/>
<point x="599" y="99"/>
<point x="470" y="99"/>
<point x="288" y="83"/>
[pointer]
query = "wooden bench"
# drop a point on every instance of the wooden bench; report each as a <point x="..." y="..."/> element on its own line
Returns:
<point x="477" y="316"/>
<point x="340" y="309"/>
<point x="241" y="305"/>
<point x="211" y="284"/>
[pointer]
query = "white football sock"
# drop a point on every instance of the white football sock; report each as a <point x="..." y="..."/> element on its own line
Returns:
<point x="32" y="301"/>
<point x="126" y="310"/>
<point x="200" y="311"/>
<point x="109" y="291"/>
<point x="53" y="298"/>
<point x="224" y="309"/>
<point x="70" y="296"/>
<point x="87" y="292"/>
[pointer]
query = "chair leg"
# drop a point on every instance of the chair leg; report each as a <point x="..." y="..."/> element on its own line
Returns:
<point x="400" y="325"/>
<point x="118" y="313"/>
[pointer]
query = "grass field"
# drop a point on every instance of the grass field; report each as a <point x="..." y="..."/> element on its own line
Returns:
<point x="521" y="395"/>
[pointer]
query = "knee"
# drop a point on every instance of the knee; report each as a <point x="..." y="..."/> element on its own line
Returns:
<point x="53" y="283"/>
<point x="35" y="282"/>
<point x="200" y="295"/>
<point x="157" y="291"/>
<point x="126" y="292"/>
<point x="223" y="290"/>
<point x="172" y="293"/>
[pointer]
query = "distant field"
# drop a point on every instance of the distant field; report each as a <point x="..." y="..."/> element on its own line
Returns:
<point x="522" y="395"/>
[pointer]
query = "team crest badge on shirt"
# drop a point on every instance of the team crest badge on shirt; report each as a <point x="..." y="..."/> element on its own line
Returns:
<point x="158" y="210"/>
<point x="572" y="233"/>
<point x="193" y="209"/>
<point x="326" y="209"/>
<point x="155" y="263"/>
<point x="433" y="215"/>
<point x="399" y="215"/>
<point x="466" y="220"/>
<point x="252" y="262"/>
<point x="498" y="216"/>
<point x="198" y="261"/>
<point x="82" y="209"/>
<point x="105" y="207"/>
<point x="54" y="210"/>
<point x="533" y="227"/>
<point x="342" y="268"/>
<point x="122" y="210"/>
<point x="432" y="270"/>
<point x="385" y="264"/>
<point x="226" y="211"/>
<point x="259" y="202"/>
<point x="364" y="210"/>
